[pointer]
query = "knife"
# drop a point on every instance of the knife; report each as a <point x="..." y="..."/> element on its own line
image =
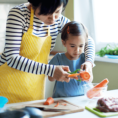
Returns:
<point x="49" y="109"/>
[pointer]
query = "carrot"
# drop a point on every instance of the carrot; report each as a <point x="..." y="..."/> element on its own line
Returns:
<point x="49" y="101"/>
<point x="74" y="75"/>
<point x="96" y="89"/>
<point x="57" y="104"/>
<point x="85" y="75"/>
<point x="102" y="83"/>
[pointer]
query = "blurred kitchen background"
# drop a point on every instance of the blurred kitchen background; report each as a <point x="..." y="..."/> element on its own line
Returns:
<point x="99" y="16"/>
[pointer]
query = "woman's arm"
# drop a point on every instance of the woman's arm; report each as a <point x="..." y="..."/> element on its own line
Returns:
<point x="89" y="57"/>
<point x="90" y="51"/>
<point x="14" y="32"/>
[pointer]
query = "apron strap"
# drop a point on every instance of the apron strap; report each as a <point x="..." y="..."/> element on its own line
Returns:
<point x="30" y="30"/>
<point x="49" y="30"/>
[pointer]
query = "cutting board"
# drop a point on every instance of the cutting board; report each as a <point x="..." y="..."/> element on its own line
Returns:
<point x="101" y="114"/>
<point x="72" y="108"/>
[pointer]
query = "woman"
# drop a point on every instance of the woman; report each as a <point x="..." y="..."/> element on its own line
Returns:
<point x="30" y="36"/>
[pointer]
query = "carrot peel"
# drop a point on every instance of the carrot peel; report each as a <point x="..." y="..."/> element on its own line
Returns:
<point x="64" y="104"/>
<point x="57" y="104"/>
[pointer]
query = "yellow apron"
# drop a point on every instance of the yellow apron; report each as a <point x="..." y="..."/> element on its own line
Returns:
<point x="19" y="86"/>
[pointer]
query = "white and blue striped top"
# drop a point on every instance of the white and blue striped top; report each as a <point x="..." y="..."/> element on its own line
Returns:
<point x="17" y="24"/>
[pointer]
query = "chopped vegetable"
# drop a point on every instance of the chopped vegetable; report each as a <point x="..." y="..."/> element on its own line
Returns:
<point x="96" y="89"/>
<point x="49" y="101"/>
<point x="57" y="104"/>
<point x="64" y="104"/>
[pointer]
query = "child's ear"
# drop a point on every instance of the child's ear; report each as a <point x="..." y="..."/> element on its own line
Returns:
<point x="63" y="42"/>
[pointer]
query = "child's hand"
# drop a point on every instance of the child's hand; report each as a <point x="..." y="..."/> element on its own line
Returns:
<point x="87" y="66"/>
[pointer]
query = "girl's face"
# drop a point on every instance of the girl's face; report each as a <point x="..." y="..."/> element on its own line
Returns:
<point x="75" y="46"/>
<point x="50" y="18"/>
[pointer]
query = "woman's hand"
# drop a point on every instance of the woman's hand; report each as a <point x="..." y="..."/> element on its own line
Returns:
<point x="61" y="73"/>
<point x="87" y="66"/>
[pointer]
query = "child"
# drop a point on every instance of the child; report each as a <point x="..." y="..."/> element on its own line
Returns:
<point x="74" y="36"/>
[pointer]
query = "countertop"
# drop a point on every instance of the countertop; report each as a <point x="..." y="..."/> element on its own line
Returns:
<point x="80" y="101"/>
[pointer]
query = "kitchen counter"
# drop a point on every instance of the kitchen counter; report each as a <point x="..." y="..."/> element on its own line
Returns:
<point x="80" y="101"/>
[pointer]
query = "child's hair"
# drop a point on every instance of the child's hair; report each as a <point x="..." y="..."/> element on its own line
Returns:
<point x="74" y="28"/>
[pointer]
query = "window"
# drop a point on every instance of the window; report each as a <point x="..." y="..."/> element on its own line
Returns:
<point x="105" y="22"/>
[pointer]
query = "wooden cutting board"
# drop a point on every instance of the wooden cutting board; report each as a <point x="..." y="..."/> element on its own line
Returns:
<point x="72" y="108"/>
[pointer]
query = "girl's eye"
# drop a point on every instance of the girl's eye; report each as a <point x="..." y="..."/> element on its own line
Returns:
<point x="81" y="46"/>
<point x="72" y="46"/>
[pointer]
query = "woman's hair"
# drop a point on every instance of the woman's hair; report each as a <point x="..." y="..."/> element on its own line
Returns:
<point x="47" y="6"/>
<point x="74" y="28"/>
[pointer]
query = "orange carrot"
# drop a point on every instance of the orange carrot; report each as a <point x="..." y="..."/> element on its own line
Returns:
<point x="102" y="83"/>
<point x="74" y="75"/>
<point x="49" y="101"/>
<point x="96" y="89"/>
<point x="57" y="104"/>
<point x="85" y="75"/>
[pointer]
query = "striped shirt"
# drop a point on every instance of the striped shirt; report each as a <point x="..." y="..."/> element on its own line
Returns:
<point x="17" y="24"/>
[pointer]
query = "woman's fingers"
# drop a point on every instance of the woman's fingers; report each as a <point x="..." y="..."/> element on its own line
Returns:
<point x="66" y="68"/>
<point x="86" y="66"/>
<point x="61" y="74"/>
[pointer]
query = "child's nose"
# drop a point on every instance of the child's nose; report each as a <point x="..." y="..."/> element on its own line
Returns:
<point x="78" y="49"/>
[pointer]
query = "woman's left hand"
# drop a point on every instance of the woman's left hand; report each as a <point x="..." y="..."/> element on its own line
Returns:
<point x="87" y="66"/>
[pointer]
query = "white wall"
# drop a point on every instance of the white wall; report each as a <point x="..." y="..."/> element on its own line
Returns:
<point x="49" y="88"/>
<point x="13" y="1"/>
<point x="5" y="6"/>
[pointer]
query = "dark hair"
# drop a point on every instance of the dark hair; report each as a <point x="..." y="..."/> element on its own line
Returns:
<point x="74" y="28"/>
<point x="47" y="6"/>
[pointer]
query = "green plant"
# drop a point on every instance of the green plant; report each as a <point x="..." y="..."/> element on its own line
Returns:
<point x="111" y="50"/>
